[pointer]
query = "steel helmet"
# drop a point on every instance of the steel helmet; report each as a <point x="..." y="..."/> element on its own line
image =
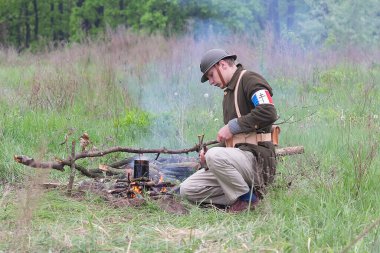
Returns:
<point x="210" y="58"/>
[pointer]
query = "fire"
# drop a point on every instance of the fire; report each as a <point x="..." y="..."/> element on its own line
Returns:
<point x="161" y="179"/>
<point x="163" y="189"/>
<point x="136" y="189"/>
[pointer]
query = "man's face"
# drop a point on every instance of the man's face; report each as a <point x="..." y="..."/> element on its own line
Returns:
<point x="213" y="76"/>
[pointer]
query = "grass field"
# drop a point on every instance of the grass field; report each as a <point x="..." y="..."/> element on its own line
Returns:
<point x="144" y="91"/>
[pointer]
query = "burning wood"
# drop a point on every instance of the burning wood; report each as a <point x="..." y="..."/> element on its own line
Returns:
<point x="135" y="192"/>
<point x="133" y="186"/>
<point x="139" y="187"/>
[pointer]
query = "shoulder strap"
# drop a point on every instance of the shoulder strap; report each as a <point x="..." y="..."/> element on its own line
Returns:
<point x="236" y="92"/>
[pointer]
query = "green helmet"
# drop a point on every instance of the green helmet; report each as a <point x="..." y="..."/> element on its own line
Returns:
<point x="210" y="58"/>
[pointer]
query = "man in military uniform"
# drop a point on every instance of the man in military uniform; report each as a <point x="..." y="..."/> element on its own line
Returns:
<point x="244" y="163"/>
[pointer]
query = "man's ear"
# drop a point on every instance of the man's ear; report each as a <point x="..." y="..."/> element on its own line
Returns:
<point x="223" y="64"/>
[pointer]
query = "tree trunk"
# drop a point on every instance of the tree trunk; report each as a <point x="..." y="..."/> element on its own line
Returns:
<point x="121" y="4"/>
<point x="36" y="22"/>
<point x="274" y="18"/>
<point x="290" y="14"/>
<point x="60" y="32"/>
<point x="52" y="21"/>
<point x="27" y="25"/>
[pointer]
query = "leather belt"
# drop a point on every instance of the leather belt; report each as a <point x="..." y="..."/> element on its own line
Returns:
<point x="250" y="138"/>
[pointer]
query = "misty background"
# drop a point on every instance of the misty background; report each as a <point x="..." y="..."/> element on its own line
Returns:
<point x="136" y="63"/>
<point x="35" y="24"/>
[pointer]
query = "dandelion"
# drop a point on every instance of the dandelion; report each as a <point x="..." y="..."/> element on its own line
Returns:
<point x="342" y="116"/>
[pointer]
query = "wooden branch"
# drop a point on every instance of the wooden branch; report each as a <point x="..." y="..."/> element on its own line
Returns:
<point x="60" y="164"/>
<point x="163" y="150"/>
<point x="290" y="151"/>
<point x="72" y="167"/>
<point x="28" y="161"/>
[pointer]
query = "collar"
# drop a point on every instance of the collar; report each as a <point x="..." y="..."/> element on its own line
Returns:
<point x="232" y="83"/>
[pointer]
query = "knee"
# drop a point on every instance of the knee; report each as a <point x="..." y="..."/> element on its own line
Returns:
<point x="184" y="189"/>
<point x="214" y="156"/>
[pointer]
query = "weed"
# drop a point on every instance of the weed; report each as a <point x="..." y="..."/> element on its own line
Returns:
<point x="144" y="90"/>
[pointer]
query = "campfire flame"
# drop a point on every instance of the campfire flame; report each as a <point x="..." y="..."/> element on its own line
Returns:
<point x="139" y="188"/>
<point x="135" y="190"/>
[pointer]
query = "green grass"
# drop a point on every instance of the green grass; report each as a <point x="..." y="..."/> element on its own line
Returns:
<point x="321" y="201"/>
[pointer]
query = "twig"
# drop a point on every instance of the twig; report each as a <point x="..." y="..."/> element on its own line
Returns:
<point x="288" y="120"/>
<point x="72" y="166"/>
<point x="361" y="236"/>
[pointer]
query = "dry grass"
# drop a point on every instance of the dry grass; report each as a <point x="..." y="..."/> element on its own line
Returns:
<point x="88" y="86"/>
<point x="27" y="200"/>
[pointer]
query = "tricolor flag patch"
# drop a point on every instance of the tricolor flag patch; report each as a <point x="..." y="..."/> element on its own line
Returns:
<point x="262" y="97"/>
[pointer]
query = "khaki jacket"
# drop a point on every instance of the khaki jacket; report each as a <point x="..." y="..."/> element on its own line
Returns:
<point x="254" y="119"/>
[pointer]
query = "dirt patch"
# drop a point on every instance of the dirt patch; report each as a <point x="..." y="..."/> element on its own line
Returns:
<point x="171" y="205"/>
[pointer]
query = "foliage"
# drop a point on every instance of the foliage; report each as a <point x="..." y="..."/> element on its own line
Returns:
<point x="135" y="123"/>
<point x="321" y="201"/>
<point x="34" y="24"/>
<point x="341" y="22"/>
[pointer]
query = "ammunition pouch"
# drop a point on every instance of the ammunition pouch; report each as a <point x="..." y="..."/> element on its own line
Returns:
<point x="254" y="138"/>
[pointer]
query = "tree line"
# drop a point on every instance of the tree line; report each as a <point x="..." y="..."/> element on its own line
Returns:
<point x="32" y="23"/>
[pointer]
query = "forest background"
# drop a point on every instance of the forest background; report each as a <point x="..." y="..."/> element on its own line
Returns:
<point x="127" y="73"/>
<point x="34" y="24"/>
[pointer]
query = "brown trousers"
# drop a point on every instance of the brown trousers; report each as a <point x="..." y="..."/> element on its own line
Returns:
<point x="231" y="173"/>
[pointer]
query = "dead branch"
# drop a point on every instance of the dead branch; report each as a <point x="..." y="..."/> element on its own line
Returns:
<point x="290" y="151"/>
<point x="28" y="161"/>
<point x="60" y="164"/>
<point x="163" y="150"/>
<point x="72" y="167"/>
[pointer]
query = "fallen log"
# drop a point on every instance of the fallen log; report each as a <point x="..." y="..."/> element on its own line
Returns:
<point x="290" y="151"/>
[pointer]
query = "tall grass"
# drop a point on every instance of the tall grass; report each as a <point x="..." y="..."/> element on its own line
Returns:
<point x="136" y="90"/>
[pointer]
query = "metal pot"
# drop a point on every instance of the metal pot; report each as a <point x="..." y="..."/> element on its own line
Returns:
<point x="141" y="169"/>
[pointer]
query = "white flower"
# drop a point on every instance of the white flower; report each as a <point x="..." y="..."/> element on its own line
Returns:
<point x="175" y="93"/>
<point x="375" y="116"/>
<point x="205" y="95"/>
<point x="342" y="116"/>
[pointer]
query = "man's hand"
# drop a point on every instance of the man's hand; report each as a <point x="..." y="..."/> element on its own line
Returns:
<point x="224" y="134"/>
<point x="202" y="158"/>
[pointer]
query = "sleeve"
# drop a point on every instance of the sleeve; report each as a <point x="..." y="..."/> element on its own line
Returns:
<point x="258" y="95"/>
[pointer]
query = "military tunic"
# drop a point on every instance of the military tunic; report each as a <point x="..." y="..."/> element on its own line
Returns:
<point x="232" y="171"/>
<point x="253" y="119"/>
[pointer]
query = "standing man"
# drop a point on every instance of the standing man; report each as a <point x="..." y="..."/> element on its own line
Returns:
<point x="244" y="162"/>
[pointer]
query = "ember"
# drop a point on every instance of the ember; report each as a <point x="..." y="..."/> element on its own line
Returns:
<point x="140" y="187"/>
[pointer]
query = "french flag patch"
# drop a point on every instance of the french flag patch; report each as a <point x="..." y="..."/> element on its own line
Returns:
<point x="262" y="97"/>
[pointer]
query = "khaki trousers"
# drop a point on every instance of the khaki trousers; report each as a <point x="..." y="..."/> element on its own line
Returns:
<point x="231" y="173"/>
